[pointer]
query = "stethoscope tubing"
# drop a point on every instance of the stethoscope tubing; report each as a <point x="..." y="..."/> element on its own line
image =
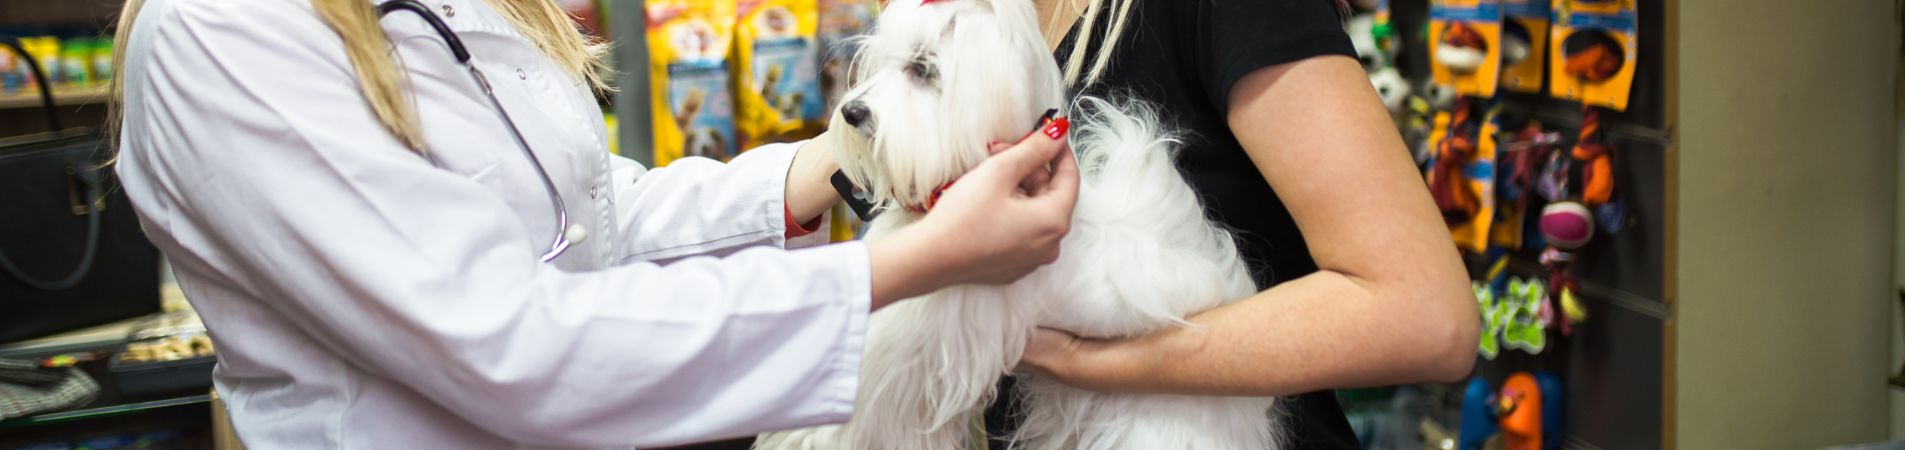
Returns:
<point x="561" y="242"/>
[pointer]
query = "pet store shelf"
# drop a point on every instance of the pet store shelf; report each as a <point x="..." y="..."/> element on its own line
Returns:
<point x="63" y="96"/>
<point x="1571" y="118"/>
<point x="104" y="411"/>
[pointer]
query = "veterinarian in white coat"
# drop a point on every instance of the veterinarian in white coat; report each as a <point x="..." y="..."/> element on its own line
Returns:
<point x="365" y="295"/>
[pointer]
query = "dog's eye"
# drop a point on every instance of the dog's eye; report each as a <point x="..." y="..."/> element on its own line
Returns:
<point x="922" y="69"/>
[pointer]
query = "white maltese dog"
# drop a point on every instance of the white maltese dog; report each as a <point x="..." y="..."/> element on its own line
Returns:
<point x="936" y="83"/>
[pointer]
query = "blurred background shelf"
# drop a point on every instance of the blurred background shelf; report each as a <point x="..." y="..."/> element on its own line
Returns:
<point x="67" y="96"/>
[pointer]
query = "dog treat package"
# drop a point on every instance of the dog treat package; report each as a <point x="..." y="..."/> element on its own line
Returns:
<point x="1465" y="44"/>
<point x="1595" y="45"/>
<point x="688" y="43"/>
<point x="776" y="73"/>
<point x="1524" y="44"/>
<point x="840" y="20"/>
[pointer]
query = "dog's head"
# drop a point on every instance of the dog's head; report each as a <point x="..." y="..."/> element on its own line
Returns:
<point x="936" y="82"/>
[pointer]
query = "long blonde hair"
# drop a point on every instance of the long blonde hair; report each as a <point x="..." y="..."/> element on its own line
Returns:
<point x="385" y="88"/>
<point x="1087" y="22"/>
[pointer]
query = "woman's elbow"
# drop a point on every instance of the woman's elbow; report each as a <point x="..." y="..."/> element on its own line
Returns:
<point x="1454" y="333"/>
<point x="1439" y="324"/>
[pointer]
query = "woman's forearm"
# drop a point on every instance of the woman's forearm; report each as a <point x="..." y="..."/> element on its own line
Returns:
<point x="1325" y="330"/>
<point x="809" y="189"/>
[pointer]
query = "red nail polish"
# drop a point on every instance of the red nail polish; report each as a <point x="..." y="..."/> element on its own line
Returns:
<point x="1058" y="128"/>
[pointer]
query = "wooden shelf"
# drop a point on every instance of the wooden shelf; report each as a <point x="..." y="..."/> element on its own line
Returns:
<point x="28" y="98"/>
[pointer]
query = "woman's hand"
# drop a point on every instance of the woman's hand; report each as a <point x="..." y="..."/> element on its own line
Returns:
<point x="1056" y="354"/>
<point x="1002" y="220"/>
<point x="1105" y="365"/>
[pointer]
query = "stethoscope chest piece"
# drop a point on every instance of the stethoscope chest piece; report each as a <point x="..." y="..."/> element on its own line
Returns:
<point x="576" y="234"/>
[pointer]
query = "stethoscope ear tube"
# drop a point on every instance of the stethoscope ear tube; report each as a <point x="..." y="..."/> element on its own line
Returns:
<point x="449" y="37"/>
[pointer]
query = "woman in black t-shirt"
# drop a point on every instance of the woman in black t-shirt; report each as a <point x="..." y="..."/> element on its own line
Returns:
<point x="1287" y="144"/>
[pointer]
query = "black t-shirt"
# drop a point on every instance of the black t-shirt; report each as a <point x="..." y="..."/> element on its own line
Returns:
<point x="1183" y="56"/>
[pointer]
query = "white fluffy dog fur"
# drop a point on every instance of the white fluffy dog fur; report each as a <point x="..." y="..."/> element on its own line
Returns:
<point x="939" y="82"/>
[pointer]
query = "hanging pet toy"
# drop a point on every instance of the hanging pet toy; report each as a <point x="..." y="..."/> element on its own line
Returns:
<point x="1521" y="158"/>
<point x="1462" y="49"/>
<point x="1450" y="189"/>
<point x="1529" y="315"/>
<point x="1570" y="222"/>
<point x="1597" y="173"/>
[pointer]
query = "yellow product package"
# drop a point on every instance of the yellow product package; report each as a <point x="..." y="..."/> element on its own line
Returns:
<point x="776" y="70"/>
<point x="1524" y="44"/>
<point x="1465" y="44"/>
<point x="1595" y="44"/>
<point x="688" y="43"/>
<point x="45" y="51"/>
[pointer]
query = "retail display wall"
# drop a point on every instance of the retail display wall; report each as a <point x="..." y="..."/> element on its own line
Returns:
<point x="1611" y="364"/>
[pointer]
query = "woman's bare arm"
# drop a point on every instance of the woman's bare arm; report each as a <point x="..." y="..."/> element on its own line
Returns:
<point x="1390" y="303"/>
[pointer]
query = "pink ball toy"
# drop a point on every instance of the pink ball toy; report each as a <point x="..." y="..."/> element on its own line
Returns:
<point x="1567" y="225"/>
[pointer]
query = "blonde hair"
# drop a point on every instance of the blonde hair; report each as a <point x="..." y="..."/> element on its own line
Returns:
<point x="1087" y="22"/>
<point x="384" y="86"/>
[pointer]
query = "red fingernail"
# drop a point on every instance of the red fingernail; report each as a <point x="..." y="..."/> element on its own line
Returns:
<point x="1058" y="128"/>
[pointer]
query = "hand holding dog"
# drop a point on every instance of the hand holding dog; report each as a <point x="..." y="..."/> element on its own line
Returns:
<point x="998" y="223"/>
<point x="1015" y="206"/>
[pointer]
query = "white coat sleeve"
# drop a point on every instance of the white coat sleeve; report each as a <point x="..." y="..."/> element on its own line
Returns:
<point x="698" y="206"/>
<point x="423" y="275"/>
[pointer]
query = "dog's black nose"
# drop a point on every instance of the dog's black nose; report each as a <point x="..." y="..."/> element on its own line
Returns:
<point x="855" y="112"/>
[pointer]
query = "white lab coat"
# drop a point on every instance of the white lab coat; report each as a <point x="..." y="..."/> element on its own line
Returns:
<point x="364" y="298"/>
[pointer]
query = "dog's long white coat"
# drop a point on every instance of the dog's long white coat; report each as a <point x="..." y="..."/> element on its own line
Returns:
<point x="1140" y="256"/>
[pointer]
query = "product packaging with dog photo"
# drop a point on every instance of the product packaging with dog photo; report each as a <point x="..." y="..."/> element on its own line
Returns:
<point x="776" y="73"/>
<point x="688" y="44"/>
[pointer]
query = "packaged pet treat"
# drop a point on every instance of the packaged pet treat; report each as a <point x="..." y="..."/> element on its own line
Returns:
<point x="688" y="42"/>
<point x="1465" y="44"/>
<point x="1524" y="44"/>
<point x="76" y="62"/>
<point x="45" y="50"/>
<point x="12" y="70"/>
<point x="777" y="78"/>
<point x="102" y="60"/>
<point x="1595" y="46"/>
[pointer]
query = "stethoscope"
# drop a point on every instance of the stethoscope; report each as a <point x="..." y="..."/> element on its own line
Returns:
<point x="563" y="230"/>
